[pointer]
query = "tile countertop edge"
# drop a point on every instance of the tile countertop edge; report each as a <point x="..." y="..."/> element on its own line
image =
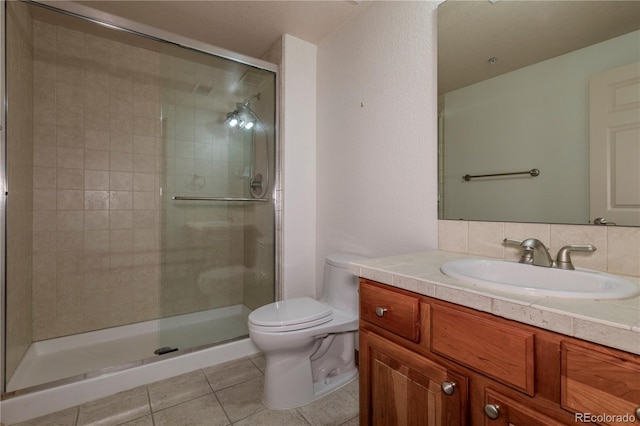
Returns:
<point x="420" y="273"/>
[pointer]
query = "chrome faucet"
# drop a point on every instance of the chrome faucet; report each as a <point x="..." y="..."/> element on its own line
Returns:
<point x="563" y="260"/>
<point x="533" y="252"/>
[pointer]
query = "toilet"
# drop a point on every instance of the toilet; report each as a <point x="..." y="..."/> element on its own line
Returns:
<point x="309" y="345"/>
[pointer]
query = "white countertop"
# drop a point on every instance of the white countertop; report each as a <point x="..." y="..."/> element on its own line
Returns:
<point x="613" y="323"/>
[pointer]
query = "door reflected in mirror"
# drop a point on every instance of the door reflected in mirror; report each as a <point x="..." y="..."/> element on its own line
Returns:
<point x="529" y="85"/>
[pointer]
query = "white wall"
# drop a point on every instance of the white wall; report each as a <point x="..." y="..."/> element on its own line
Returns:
<point x="298" y="156"/>
<point x="377" y="133"/>
<point x="534" y="117"/>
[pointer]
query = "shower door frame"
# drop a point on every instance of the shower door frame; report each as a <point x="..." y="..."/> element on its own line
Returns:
<point x="3" y="194"/>
<point x="122" y="24"/>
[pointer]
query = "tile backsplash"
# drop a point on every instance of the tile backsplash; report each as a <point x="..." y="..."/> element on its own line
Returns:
<point x="618" y="247"/>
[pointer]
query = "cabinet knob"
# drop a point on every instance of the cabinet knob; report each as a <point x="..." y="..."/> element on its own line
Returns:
<point x="638" y="413"/>
<point x="448" y="388"/>
<point x="492" y="411"/>
<point x="380" y="311"/>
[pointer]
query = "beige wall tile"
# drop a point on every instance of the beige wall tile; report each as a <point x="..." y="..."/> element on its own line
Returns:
<point x="120" y="239"/>
<point x="69" y="137"/>
<point x="44" y="155"/>
<point x="96" y="240"/>
<point x="562" y="235"/>
<point x="144" y="182"/>
<point x="121" y="142"/>
<point x="96" y="139"/>
<point x="120" y="181"/>
<point x="70" y="116"/>
<point x="623" y="250"/>
<point x="70" y="158"/>
<point x="96" y="116"/>
<point x="485" y="238"/>
<point x="96" y="200"/>
<point x="70" y="178"/>
<point x="143" y="163"/>
<point x="71" y="220"/>
<point x="96" y="159"/>
<point x="97" y="132"/>
<point x="120" y="219"/>
<point x="120" y="200"/>
<point x="69" y="240"/>
<point x="70" y="199"/>
<point x="44" y="220"/>
<point x="44" y="199"/>
<point x="618" y="248"/>
<point x="96" y="179"/>
<point x="96" y="219"/>
<point x="120" y="161"/>
<point x="453" y="235"/>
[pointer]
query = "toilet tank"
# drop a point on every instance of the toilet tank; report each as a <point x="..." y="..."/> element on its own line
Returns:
<point x="340" y="284"/>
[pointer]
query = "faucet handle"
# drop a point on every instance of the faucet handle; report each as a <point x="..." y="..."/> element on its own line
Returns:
<point x="563" y="259"/>
<point x="512" y="242"/>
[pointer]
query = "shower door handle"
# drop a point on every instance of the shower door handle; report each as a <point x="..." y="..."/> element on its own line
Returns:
<point x="256" y="184"/>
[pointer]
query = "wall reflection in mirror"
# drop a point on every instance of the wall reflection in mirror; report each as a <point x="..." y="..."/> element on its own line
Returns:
<point x="553" y="86"/>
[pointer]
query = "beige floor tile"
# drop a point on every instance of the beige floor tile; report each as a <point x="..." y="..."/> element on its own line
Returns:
<point x="203" y="411"/>
<point x="66" y="417"/>
<point x="353" y="422"/>
<point x="353" y="389"/>
<point x="189" y="400"/>
<point x="273" y="418"/>
<point x="242" y="400"/>
<point x="260" y="361"/>
<point x="115" y="409"/>
<point x="334" y="409"/>
<point x="142" y="421"/>
<point x="231" y="373"/>
<point x="176" y="390"/>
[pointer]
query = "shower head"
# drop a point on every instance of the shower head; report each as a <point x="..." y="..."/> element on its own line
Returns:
<point x="243" y="117"/>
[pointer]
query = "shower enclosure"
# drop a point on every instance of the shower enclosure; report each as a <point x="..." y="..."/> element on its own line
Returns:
<point x="139" y="219"/>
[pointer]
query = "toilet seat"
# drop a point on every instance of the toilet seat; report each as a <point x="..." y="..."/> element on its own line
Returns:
<point x="289" y="315"/>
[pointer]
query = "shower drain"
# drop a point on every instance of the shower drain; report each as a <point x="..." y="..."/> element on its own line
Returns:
<point x="164" y="350"/>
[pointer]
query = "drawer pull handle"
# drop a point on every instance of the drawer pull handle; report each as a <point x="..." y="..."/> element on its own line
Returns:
<point x="380" y="311"/>
<point x="492" y="411"/>
<point x="448" y="388"/>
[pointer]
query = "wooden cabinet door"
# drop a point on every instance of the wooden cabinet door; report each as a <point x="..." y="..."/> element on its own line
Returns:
<point x="513" y="413"/>
<point x="404" y="389"/>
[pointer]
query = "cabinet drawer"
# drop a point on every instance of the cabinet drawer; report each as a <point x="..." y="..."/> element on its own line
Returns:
<point x="600" y="383"/>
<point x="501" y="410"/>
<point x="393" y="311"/>
<point x="494" y="349"/>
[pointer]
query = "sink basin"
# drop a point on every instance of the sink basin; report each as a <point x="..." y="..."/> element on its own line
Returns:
<point x="540" y="281"/>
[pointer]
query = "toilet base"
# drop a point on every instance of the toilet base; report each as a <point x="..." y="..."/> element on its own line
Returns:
<point x="320" y="389"/>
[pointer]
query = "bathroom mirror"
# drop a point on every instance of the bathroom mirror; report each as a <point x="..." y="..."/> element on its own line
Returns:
<point x="520" y="85"/>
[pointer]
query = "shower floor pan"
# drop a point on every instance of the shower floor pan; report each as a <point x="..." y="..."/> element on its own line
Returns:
<point x="100" y="351"/>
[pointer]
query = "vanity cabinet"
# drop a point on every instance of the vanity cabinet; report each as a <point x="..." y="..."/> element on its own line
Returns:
<point x="406" y="388"/>
<point x="424" y="361"/>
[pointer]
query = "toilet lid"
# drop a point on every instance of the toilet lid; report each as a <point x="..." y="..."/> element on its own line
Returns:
<point x="292" y="314"/>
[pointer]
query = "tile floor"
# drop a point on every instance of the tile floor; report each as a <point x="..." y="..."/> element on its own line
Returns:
<point x="226" y="394"/>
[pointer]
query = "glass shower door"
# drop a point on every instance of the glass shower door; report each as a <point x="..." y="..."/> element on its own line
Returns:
<point x="108" y="132"/>
<point x="217" y="233"/>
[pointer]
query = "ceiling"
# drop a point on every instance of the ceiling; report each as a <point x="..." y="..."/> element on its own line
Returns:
<point x="521" y="33"/>
<point x="246" y="27"/>
<point x="470" y="32"/>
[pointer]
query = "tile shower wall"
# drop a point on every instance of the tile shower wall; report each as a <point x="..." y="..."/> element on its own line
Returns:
<point x="19" y="179"/>
<point x="96" y="170"/>
<point x="618" y="247"/>
<point x="114" y="126"/>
